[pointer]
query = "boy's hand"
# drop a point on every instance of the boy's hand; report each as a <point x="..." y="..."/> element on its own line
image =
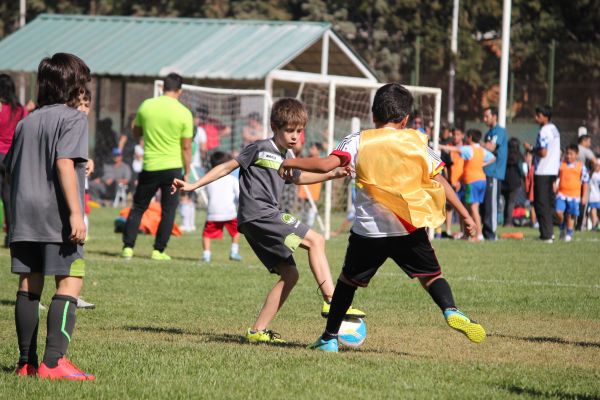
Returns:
<point x="78" y="229"/>
<point x="284" y="171"/>
<point x="470" y="226"/>
<point x="89" y="167"/>
<point x="341" y="172"/>
<point x="179" y="184"/>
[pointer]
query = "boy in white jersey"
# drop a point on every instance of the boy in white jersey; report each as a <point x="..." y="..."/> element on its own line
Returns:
<point x="221" y="211"/>
<point x="400" y="191"/>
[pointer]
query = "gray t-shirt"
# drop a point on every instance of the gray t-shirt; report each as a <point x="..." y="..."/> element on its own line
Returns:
<point x="260" y="185"/>
<point x="39" y="210"/>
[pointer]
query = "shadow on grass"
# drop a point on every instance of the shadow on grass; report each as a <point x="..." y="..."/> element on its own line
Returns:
<point x="551" y="393"/>
<point x="154" y="329"/>
<point x="8" y="369"/>
<point x="239" y="339"/>
<point x="4" y="302"/>
<point x="116" y="254"/>
<point x="544" y="339"/>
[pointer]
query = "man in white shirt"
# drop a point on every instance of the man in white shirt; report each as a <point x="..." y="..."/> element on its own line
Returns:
<point x="546" y="163"/>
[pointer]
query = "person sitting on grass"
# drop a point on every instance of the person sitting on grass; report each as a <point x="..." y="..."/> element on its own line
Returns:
<point x="47" y="167"/>
<point x="572" y="190"/>
<point x="274" y="236"/>
<point x="400" y="192"/>
<point x="476" y="158"/>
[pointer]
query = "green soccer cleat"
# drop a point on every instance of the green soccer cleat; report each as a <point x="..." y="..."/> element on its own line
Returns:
<point x="160" y="256"/>
<point x="127" y="253"/>
<point x="460" y="322"/>
<point x="264" y="336"/>
<point x="350" y="313"/>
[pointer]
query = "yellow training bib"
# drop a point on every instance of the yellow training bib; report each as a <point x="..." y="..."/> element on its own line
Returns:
<point x="393" y="169"/>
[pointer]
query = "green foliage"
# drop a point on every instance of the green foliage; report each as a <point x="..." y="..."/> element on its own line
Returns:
<point x="384" y="34"/>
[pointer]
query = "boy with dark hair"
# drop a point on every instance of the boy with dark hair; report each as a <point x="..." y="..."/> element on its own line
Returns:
<point x="573" y="178"/>
<point x="476" y="159"/>
<point x="221" y="210"/>
<point x="273" y="235"/>
<point x="47" y="167"/>
<point x="400" y="191"/>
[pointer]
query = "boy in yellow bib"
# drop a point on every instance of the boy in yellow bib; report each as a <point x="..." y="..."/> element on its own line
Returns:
<point x="400" y="192"/>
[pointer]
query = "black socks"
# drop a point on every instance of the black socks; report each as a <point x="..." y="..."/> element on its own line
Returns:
<point x="341" y="301"/>
<point x="61" y="321"/>
<point x="27" y="320"/>
<point x="441" y="293"/>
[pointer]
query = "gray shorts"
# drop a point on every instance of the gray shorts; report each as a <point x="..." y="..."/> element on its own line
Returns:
<point x="62" y="259"/>
<point x="274" y="238"/>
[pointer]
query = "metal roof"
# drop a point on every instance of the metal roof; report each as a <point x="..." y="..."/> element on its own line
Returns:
<point x="136" y="46"/>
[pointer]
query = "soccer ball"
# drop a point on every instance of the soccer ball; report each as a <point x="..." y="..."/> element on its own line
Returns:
<point x="353" y="332"/>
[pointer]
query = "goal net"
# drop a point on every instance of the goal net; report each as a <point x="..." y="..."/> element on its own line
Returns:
<point x="230" y="118"/>
<point x="337" y="107"/>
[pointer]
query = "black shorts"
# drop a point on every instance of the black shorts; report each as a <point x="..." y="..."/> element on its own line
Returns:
<point x="413" y="253"/>
<point x="274" y="239"/>
<point x="61" y="259"/>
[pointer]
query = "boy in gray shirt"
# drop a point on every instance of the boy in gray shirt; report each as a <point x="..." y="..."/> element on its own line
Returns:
<point x="46" y="165"/>
<point x="273" y="235"/>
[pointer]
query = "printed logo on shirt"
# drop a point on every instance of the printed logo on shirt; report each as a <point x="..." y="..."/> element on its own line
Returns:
<point x="268" y="160"/>
<point x="288" y="219"/>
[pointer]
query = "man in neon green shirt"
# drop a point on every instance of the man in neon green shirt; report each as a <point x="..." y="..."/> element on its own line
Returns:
<point x="167" y="127"/>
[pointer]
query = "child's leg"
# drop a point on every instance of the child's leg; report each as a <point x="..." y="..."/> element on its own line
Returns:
<point x="315" y="244"/>
<point x="61" y="318"/>
<point x="341" y="301"/>
<point x="594" y="213"/>
<point x="570" y="223"/>
<point x="277" y="296"/>
<point x="27" y="316"/>
<point x="235" y="244"/>
<point x="439" y="290"/>
<point x="449" y="215"/>
<point x="560" y="215"/>
<point x="474" y="208"/>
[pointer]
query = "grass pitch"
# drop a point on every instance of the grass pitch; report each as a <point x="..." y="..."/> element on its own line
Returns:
<point x="174" y="330"/>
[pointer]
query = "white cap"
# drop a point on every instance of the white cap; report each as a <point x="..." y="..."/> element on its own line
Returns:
<point x="581" y="131"/>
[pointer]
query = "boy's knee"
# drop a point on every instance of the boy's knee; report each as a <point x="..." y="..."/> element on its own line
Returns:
<point x="313" y="239"/>
<point x="289" y="274"/>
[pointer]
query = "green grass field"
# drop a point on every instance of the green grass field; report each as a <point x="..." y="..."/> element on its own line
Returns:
<point x="174" y="330"/>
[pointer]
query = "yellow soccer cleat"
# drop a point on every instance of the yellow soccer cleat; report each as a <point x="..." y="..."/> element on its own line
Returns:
<point x="160" y="256"/>
<point x="127" y="253"/>
<point x="460" y="322"/>
<point x="263" y="336"/>
<point x="350" y="313"/>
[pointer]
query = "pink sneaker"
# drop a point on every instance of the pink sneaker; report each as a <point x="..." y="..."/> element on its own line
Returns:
<point x="26" y="370"/>
<point x="64" y="370"/>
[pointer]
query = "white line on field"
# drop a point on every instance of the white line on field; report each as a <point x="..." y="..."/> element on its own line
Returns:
<point x="508" y="282"/>
<point x="532" y="283"/>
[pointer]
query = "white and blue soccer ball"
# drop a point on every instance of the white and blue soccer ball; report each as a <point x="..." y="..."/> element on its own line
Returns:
<point x="353" y="332"/>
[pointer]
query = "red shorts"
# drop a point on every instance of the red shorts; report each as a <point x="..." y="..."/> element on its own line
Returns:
<point x="214" y="229"/>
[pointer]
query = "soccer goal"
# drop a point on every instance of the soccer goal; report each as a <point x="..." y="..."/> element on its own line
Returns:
<point x="338" y="106"/>
<point x="230" y="116"/>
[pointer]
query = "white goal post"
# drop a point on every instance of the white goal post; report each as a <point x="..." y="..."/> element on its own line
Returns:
<point x="332" y="83"/>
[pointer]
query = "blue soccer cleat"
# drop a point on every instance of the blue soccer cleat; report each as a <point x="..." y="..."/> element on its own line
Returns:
<point x="330" y="346"/>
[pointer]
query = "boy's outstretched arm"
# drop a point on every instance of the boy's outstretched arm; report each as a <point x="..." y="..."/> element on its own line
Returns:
<point x="449" y="148"/>
<point x="217" y="172"/>
<point x="312" y="164"/>
<point x="457" y="204"/>
<point x="307" y="178"/>
<point x="67" y="179"/>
